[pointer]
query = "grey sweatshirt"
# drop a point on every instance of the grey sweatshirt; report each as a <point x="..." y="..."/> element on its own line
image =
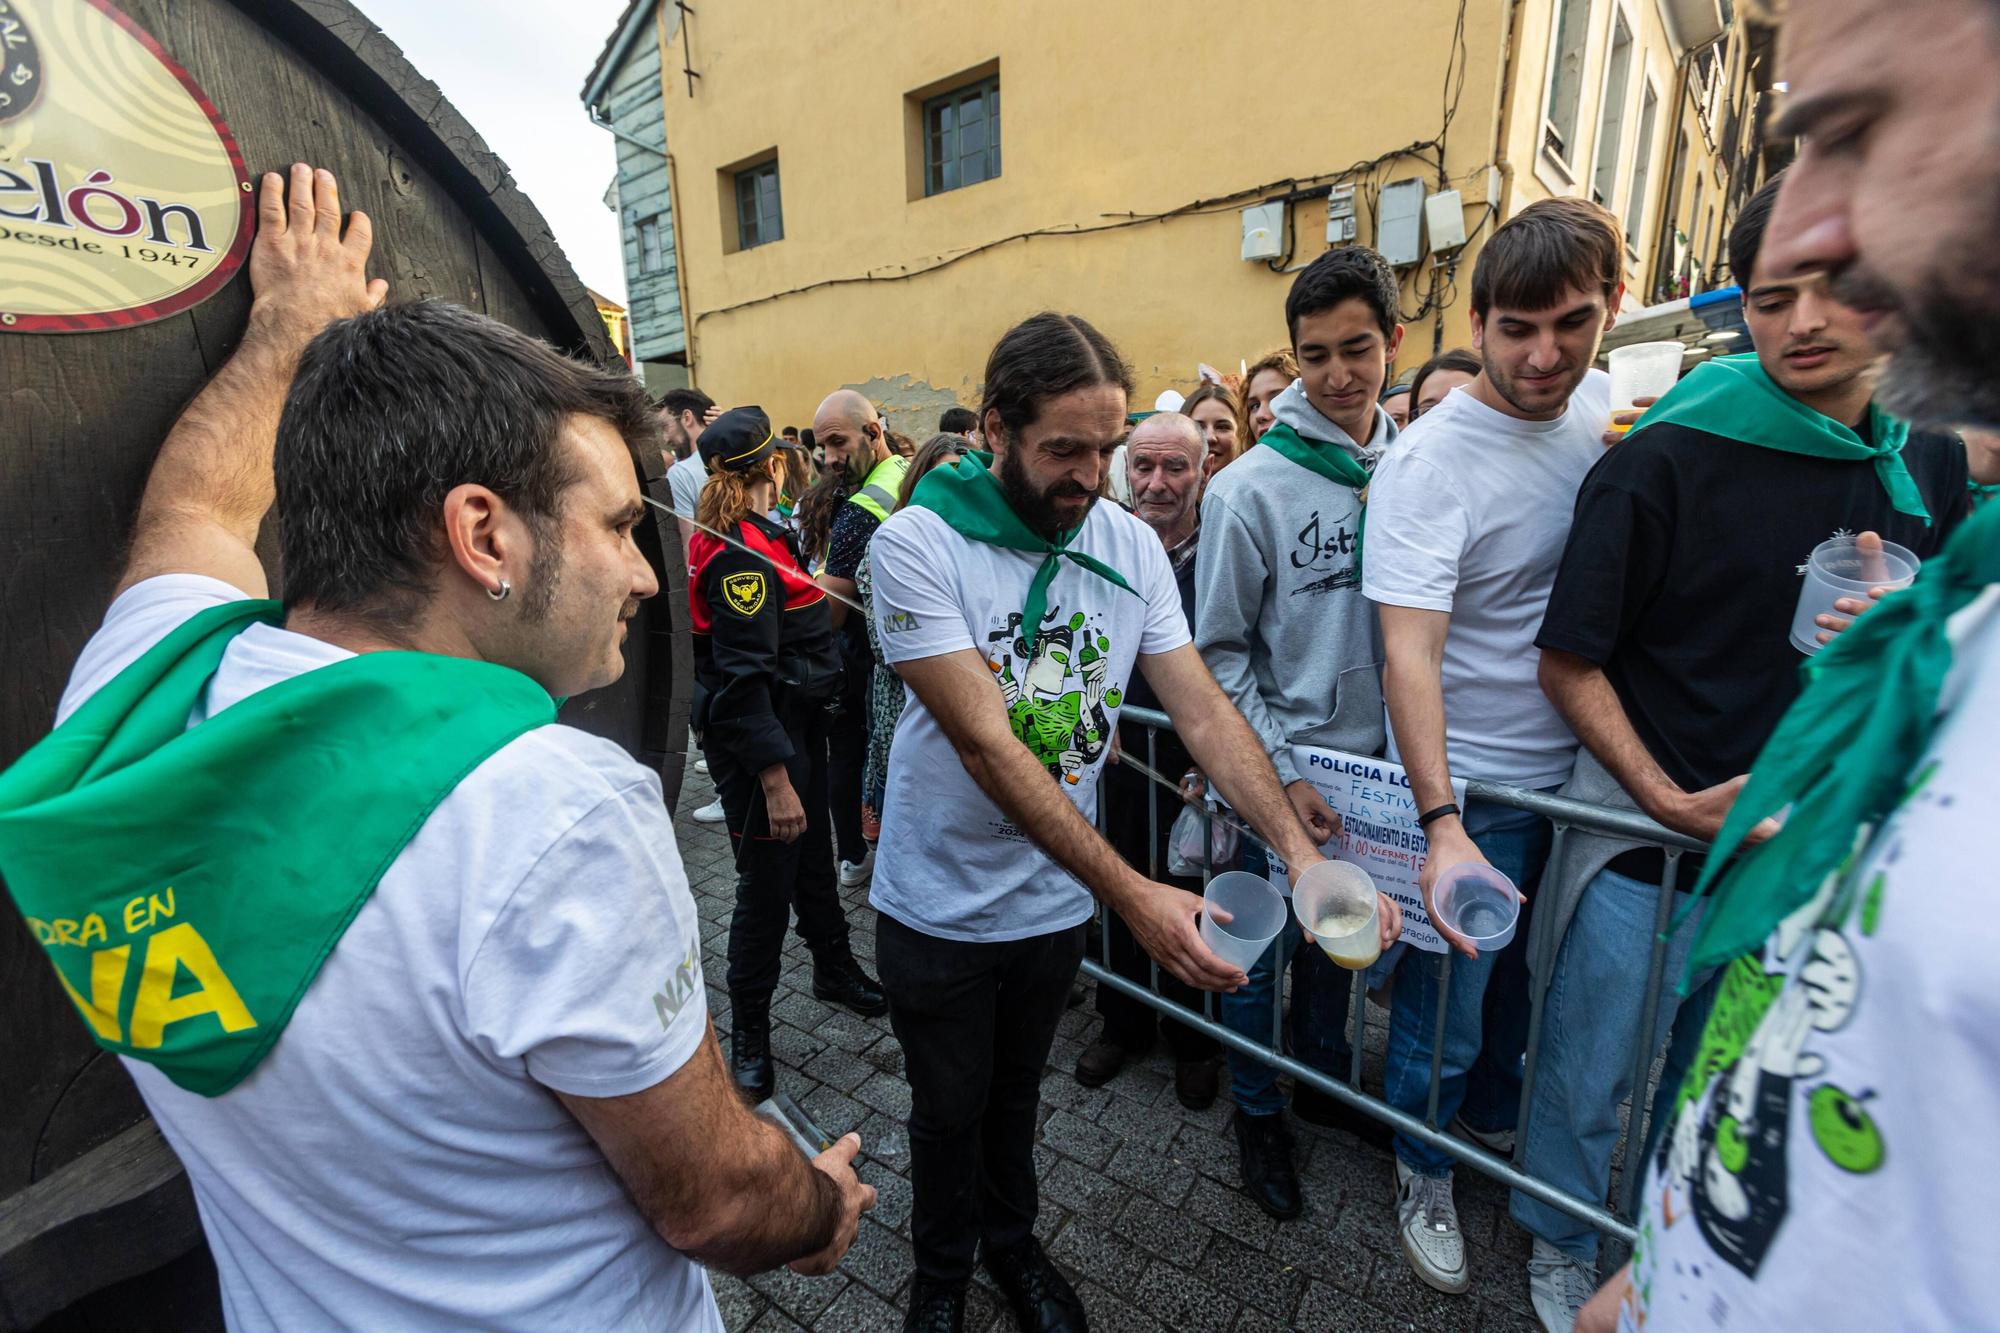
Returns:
<point x="1280" y="618"/>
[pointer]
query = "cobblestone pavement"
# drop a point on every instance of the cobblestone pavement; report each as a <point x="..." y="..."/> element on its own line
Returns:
<point x="1141" y="1199"/>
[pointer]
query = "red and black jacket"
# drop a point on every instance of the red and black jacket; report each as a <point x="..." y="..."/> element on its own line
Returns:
<point x="764" y="645"/>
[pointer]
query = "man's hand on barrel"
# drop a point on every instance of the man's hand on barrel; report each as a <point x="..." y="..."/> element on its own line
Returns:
<point x="304" y="271"/>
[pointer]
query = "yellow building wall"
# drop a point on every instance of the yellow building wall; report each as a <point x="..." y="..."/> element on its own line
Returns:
<point x="1108" y="109"/>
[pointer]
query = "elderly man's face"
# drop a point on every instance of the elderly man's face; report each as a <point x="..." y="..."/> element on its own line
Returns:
<point x="1163" y="462"/>
<point x="1897" y="185"/>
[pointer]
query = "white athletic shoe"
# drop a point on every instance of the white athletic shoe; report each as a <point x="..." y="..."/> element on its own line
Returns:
<point x="710" y="813"/>
<point x="701" y="767"/>
<point x="1558" y="1286"/>
<point x="1499" y="1142"/>
<point x="1428" y="1221"/>
<point x="853" y="874"/>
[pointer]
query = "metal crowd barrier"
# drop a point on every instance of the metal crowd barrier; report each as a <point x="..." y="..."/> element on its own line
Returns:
<point x="1563" y="814"/>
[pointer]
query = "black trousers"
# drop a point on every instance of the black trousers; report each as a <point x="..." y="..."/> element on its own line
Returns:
<point x="1129" y="1022"/>
<point x="976" y="1021"/>
<point x="847" y="759"/>
<point x="775" y="878"/>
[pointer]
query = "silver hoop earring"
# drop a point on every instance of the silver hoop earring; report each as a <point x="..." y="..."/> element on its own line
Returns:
<point x="505" y="589"/>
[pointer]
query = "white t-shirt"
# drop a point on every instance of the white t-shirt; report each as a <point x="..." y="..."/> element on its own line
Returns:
<point x="949" y="862"/>
<point x="1836" y="1162"/>
<point x="684" y="482"/>
<point x="398" y="1159"/>
<point x="1468" y="513"/>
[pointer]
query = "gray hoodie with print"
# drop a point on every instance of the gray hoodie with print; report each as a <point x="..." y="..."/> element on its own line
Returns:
<point x="1279" y="615"/>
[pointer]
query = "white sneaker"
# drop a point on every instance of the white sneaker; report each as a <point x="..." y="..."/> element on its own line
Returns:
<point x="701" y="767"/>
<point x="710" y="813"/>
<point x="1499" y="1142"/>
<point x="853" y="874"/>
<point x="1428" y="1221"/>
<point x="1558" y="1286"/>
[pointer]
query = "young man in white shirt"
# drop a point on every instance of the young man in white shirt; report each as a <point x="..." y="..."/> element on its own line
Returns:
<point x="481" y="1089"/>
<point x="1467" y="518"/>
<point x="1015" y="608"/>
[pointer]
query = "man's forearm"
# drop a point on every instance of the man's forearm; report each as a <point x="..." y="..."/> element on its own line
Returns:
<point x="1584" y="696"/>
<point x="1016" y="781"/>
<point x="1414" y="691"/>
<point x="783" y="1208"/>
<point x="1233" y="756"/>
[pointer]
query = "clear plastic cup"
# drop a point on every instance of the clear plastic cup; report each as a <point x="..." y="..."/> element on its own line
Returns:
<point x="1256" y="914"/>
<point x="1840" y="568"/>
<point x="1478" y="902"/>
<point x="1642" y="370"/>
<point x="1337" y="902"/>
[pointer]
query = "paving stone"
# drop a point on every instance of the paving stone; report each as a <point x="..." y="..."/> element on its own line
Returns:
<point x="1325" y="1253"/>
<point x="1095" y="1254"/>
<point x="801" y="1011"/>
<point x="879" y="1258"/>
<point x="802" y="1298"/>
<point x="885" y="1093"/>
<point x="1085" y="1192"/>
<point x="832" y="1110"/>
<point x="886" y="1140"/>
<point x="775" y="1320"/>
<point x="848" y="1031"/>
<point x="1327" y="1307"/>
<point x="1252" y="1276"/>
<point x="858" y="1310"/>
<point x="1166" y="1232"/>
<point x="1211" y="1152"/>
<point x="1079" y="1140"/>
<point x="739" y="1302"/>
<point x="1183" y="1302"/>
<point x="1499" y="1317"/>
<point x="1397" y="1289"/>
<point x="1145" y="1167"/>
<point x="840" y="1069"/>
<point x="1136" y="1083"/>
<point x="1110" y="1314"/>
<point x="1231" y="1211"/>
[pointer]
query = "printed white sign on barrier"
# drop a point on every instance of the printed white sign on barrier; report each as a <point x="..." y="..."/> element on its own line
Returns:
<point x="1379" y="829"/>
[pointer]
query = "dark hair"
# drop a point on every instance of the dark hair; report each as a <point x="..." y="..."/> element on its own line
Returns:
<point x="957" y="421"/>
<point x="677" y="401"/>
<point x="1458" y="358"/>
<point x="391" y="410"/>
<point x="817" y="509"/>
<point x="1046" y="356"/>
<point x="1544" y="250"/>
<point x="929" y="454"/>
<point x="1341" y="275"/>
<point x="790" y="432"/>
<point x="1746" y="238"/>
<point x="806" y="438"/>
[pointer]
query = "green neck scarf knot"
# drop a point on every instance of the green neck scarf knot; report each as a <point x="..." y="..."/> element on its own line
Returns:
<point x="1329" y="460"/>
<point x="968" y="497"/>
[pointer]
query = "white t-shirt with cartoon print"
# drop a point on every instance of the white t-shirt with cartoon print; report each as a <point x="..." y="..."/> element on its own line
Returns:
<point x="1836" y="1168"/>
<point x="949" y="862"/>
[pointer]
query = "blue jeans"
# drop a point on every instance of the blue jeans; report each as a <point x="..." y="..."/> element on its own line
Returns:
<point x="1486" y="1020"/>
<point x="1597" y="995"/>
<point x="1318" y="1028"/>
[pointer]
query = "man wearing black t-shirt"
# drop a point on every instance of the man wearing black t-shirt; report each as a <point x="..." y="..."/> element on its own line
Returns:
<point x="1666" y="648"/>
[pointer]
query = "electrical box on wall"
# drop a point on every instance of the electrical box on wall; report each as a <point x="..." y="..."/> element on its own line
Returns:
<point x="1340" y="224"/>
<point x="1264" y="231"/>
<point x="1399" y="222"/>
<point x="1444" y="219"/>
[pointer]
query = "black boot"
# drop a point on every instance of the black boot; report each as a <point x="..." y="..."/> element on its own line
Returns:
<point x="1042" y="1299"/>
<point x="935" y="1307"/>
<point x="750" y="1046"/>
<point x="1269" y="1177"/>
<point x="838" y="979"/>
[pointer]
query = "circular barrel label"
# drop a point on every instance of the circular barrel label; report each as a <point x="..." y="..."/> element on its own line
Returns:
<point x="123" y="197"/>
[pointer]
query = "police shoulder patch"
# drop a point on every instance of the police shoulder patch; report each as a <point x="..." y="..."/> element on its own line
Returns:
<point x="744" y="592"/>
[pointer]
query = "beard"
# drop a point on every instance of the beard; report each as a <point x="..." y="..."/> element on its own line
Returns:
<point x="1037" y="508"/>
<point x="1504" y="384"/>
<point x="1941" y="372"/>
<point x="544" y="570"/>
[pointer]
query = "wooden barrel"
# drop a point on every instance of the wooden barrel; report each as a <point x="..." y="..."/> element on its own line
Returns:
<point x="120" y="300"/>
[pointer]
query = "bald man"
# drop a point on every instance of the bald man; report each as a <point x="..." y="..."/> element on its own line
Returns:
<point x="851" y="431"/>
<point x="1164" y="459"/>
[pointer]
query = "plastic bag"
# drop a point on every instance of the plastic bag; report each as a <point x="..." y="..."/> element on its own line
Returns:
<point x="1188" y="851"/>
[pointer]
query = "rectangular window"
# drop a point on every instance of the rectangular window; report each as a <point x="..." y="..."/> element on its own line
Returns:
<point x="1566" y="77"/>
<point x="652" y="259"/>
<point x="759" y="220"/>
<point x="1611" y="119"/>
<point x="1642" y="169"/>
<point x="962" y="137"/>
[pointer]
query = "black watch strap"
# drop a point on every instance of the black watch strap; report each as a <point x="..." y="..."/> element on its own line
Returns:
<point x="1424" y="819"/>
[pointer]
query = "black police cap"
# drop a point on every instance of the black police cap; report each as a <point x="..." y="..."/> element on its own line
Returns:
<point x="738" y="440"/>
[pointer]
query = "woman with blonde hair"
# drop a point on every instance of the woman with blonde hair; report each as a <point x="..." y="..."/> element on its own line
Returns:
<point x="764" y="651"/>
<point x="1269" y="376"/>
<point x="1219" y="413"/>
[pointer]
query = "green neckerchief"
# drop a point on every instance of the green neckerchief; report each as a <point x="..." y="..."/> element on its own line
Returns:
<point x="188" y="882"/>
<point x="968" y="497"/>
<point x="1842" y="754"/>
<point x="1732" y="397"/>
<point x="1981" y="492"/>
<point x="1329" y="460"/>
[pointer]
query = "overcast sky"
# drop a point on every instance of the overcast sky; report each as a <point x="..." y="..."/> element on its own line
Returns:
<point x="514" y="68"/>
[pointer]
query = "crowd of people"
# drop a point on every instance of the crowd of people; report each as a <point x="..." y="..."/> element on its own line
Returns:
<point x="424" y="1011"/>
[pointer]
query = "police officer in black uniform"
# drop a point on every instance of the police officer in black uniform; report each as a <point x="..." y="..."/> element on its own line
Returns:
<point x="764" y="649"/>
